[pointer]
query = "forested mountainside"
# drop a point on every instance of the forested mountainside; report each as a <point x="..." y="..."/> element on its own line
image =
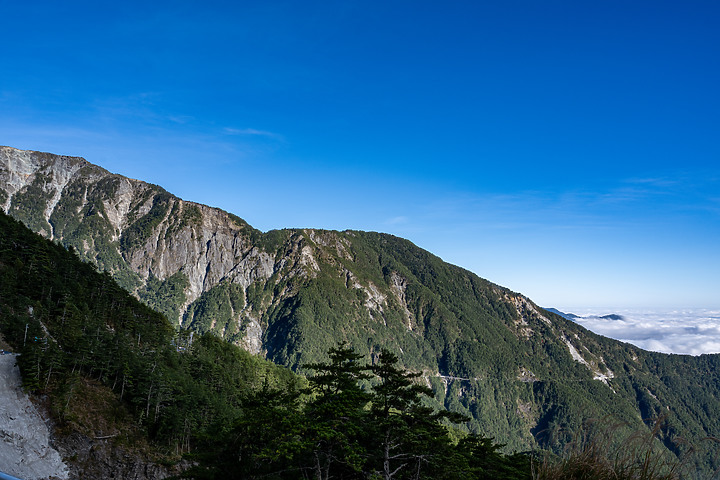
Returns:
<point x="133" y="398"/>
<point x="525" y="376"/>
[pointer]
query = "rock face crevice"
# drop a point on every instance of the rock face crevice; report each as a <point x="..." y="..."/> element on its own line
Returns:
<point x="99" y="459"/>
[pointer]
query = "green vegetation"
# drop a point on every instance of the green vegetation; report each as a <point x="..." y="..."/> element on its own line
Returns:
<point x="30" y="203"/>
<point x="85" y="341"/>
<point x="77" y="330"/>
<point x="216" y="310"/>
<point x="191" y="216"/>
<point x="245" y="227"/>
<point x="80" y="220"/>
<point x="467" y="329"/>
<point x="165" y="296"/>
<point x="141" y="229"/>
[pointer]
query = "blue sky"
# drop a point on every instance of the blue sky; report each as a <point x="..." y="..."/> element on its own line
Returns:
<point x="567" y="150"/>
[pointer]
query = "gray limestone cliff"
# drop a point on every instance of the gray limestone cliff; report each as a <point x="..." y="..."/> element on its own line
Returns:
<point x="166" y="251"/>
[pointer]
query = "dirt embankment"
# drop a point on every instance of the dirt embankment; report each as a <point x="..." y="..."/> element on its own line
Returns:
<point x="25" y="450"/>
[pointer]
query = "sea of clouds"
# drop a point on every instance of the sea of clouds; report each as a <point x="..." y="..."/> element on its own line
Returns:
<point x="690" y="332"/>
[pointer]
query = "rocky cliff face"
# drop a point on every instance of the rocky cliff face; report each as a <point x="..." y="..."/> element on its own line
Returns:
<point x="130" y="228"/>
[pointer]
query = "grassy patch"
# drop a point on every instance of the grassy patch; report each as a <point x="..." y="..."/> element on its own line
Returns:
<point x="94" y="410"/>
<point x="605" y="451"/>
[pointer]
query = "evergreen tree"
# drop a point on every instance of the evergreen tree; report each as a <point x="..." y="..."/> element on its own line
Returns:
<point x="265" y="441"/>
<point x="408" y="437"/>
<point x="334" y="418"/>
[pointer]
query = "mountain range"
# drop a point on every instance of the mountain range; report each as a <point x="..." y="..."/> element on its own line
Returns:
<point x="572" y="316"/>
<point x="526" y="376"/>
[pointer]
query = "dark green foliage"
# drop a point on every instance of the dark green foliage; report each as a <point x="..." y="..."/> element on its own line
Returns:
<point x="245" y="227"/>
<point x="217" y="310"/>
<point x="141" y="229"/>
<point x="345" y="430"/>
<point x="262" y="442"/>
<point x="271" y="241"/>
<point x="334" y="420"/>
<point x="165" y="296"/>
<point x="30" y="203"/>
<point x="407" y="436"/>
<point x="191" y="216"/>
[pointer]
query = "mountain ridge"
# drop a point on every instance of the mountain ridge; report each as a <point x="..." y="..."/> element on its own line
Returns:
<point x="523" y="374"/>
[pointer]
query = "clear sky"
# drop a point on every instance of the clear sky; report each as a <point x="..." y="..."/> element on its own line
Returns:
<point x="569" y="150"/>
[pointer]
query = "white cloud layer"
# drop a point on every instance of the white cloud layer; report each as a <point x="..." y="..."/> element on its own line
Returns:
<point x="691" y="332"/>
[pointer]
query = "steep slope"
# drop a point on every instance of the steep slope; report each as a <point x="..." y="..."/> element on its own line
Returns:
<point x="526" y="376"/>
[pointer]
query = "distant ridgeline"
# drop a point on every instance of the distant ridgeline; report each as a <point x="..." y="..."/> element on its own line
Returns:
<point x="525" y="376"/>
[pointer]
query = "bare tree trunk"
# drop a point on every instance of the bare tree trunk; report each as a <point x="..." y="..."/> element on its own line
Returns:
<point x="318" y="468"/>
<point x="47" y="380"/>
<point x="147" y="407"/>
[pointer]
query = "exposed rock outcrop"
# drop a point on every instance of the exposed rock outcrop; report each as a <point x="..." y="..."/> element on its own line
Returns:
<point x="99" y="459"/>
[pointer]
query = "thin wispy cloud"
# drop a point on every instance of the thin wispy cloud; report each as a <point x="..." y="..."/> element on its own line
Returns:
<point x="251" y="132"/>
<point x="713" y="205"/>
<point x="680" y="182"/>
<point x="567" y="210"/>
<point x="399" y="220"/>
<point x="654" y="182"/>
<point x="50" y="137"/>
<point x="137" y="104"/>
<point x="180" y="119"/>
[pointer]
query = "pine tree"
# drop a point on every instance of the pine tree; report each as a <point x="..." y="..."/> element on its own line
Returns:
<point x="335" y="416"/>
<point x="408" y="436"/>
